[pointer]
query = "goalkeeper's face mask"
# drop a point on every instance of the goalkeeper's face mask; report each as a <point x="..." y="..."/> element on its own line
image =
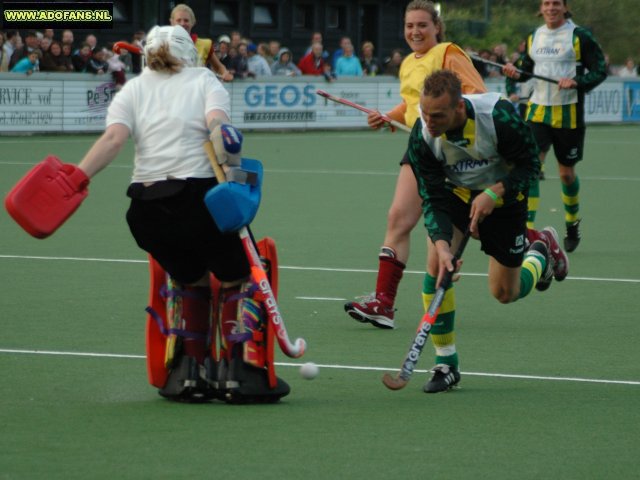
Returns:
<point x="180" y="43"/>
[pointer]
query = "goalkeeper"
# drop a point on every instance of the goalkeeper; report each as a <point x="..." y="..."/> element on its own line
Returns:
<point x="169" y="111"/>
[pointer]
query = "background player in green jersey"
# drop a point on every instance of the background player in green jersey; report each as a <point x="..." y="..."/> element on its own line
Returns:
<point x="474" y="158"/>
<point x="561" y="50"/>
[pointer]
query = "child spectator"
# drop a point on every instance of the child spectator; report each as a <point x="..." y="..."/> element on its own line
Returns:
<point x="348" y="65"/>
<point x="97" y="63"/>
<point x="81" y="59"/>
<point x="283" y="64"/>
<point x="28" y="64"/>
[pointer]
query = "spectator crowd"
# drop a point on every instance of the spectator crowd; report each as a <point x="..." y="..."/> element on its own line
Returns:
<point x="45" y="51"/>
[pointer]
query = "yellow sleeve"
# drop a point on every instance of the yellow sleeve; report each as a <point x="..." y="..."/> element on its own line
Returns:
<point x="457" y="61"/>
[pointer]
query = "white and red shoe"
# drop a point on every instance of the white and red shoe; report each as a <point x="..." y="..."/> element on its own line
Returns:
<point x="370" y="309"/>
<point x="560" y="259"/>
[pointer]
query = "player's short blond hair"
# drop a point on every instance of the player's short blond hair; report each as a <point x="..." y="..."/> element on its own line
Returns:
<point x="183" y="7"/>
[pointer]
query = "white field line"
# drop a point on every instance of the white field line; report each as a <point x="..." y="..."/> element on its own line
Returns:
<point x="292" y="267"/>
<point x="358" y="173"/>
<point x="337" y="367"/>
<point x="280" y="136"/>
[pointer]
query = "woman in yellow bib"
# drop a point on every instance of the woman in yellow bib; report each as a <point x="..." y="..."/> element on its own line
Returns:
<point x="424" y="33"/>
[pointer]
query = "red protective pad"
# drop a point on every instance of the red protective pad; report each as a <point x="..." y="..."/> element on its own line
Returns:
<point x="46" y="196"/>
<point x="155" y="338"/>
<point x="269" y="257"/>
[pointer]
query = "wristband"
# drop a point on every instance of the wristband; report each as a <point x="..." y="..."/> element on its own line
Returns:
<point x="492" y="194"/>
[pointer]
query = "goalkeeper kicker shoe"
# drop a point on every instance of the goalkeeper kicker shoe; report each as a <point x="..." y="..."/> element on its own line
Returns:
<point x="444" y="378"/>
<point x="185" y="384"/>
<point x="370" y="309"/>
<point x="560" y="259"/>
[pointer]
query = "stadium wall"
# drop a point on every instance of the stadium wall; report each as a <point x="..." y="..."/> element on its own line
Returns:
<point x="67" y="102"/>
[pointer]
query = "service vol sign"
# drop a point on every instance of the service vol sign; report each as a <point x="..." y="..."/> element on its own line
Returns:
<point x="29" y="106"/>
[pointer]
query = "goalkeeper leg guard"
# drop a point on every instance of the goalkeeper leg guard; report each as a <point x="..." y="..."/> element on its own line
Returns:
<point x="187" y="343"/>
<point x="246" y="372"/>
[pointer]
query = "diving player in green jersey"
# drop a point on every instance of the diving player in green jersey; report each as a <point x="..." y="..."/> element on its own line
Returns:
<point x="561" y="50"/>
<point x="474" y="158"/>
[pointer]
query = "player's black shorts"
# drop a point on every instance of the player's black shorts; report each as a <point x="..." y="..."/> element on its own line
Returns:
<point x="502" y="234"/>
<point x="568" y="143"/>
<point x="171" y="222"/>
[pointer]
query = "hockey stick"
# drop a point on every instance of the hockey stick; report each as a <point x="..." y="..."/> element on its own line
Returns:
<point x="521" y="72"/>
<point x="293" y="350"/>
<point x="121" y="46"/>
<point x="424" y="327"/>
<point x="118" y="47"/>
<point x="348" y="103"/>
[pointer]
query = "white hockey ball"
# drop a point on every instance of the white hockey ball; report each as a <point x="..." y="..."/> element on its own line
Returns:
<point x="309" y="370"/>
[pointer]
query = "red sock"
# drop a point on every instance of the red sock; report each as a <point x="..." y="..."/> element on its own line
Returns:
<point x="389" y="275"/>
<point x="195" y="312"/>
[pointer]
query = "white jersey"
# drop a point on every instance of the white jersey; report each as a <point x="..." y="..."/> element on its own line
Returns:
<point x="477" y="166"/>
<point x="166" y="115"/>
<point x="554" y="57"/>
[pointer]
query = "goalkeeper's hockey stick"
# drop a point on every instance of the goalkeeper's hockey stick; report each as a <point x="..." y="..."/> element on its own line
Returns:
<point x="424" y="327"/>
<point x="349" y="103"/>
<point x="297" y="348"/>
<point x="521" y="72"/>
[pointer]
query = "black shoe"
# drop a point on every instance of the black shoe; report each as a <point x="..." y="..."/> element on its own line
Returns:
<point x="243" y="383"/>
<point x="444" y="378"/>
<point x="185" y="384"/>
<point x="544" y="282"/>
<point x="572" y="238"/>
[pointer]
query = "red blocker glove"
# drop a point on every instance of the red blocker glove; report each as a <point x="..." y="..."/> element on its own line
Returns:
<point x="46" y="196"/>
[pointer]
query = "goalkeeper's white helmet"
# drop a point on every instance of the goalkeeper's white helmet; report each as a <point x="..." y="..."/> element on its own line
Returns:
<point x="180" y="43"/>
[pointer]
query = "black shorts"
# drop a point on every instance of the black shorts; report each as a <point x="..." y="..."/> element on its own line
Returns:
<point x="502" y="234"/>
<point x="171" y="222"/>
<point x="568" y="143"/>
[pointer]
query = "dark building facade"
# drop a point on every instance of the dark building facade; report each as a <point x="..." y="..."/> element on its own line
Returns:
<point x="292" y="22"/>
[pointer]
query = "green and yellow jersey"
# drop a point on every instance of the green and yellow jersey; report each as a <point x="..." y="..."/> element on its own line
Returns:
<point x="569" y="51"/>
<point x="494" y="145"/>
